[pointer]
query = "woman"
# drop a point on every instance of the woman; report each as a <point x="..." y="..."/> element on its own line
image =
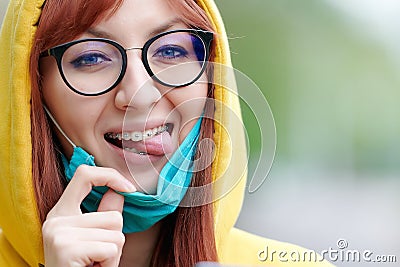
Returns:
<point x="111" y="90"/>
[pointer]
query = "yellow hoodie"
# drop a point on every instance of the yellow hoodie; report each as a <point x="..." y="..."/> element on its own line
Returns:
<point x="20" y="228"/>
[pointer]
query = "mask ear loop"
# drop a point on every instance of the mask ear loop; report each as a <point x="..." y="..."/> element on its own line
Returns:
<point x="58" y="126"/>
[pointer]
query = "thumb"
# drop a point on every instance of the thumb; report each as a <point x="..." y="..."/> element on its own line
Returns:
<point x="111" y="201"/>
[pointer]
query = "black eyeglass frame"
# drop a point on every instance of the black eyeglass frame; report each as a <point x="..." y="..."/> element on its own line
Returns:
<point x="58" y="51"/>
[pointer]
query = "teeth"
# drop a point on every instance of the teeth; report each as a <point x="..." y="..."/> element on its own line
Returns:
<point x="133" y="150"/>
<point x="138" y="136"/>
<point x="149" y="133"/>
<point x="126" y="136"/>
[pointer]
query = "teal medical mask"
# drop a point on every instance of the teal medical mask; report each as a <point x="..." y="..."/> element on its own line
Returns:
<point x="141" y="211"/>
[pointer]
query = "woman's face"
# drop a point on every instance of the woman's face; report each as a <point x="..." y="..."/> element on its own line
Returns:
<point x="136" y="105"/>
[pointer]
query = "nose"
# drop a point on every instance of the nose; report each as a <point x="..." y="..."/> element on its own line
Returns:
<point x="137" y="89"/>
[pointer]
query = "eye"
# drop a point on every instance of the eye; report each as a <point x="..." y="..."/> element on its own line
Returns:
<point x="170" y="52"/>
<point x="90" y="60"/>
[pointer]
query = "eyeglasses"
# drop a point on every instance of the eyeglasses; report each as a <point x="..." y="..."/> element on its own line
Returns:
<point x="95" y="66"/>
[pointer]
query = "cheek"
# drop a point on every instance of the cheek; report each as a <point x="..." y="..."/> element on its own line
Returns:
<point x="59" y="98"/>
<point x="189" y="101"/>
<point x="75" y="114"/>
<point x="53" y="87"/>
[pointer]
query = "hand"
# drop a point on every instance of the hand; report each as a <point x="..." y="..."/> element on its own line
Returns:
<point x="74" y="239"/>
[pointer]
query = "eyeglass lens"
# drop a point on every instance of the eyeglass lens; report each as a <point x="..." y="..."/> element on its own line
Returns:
<point x="175" y="59"/>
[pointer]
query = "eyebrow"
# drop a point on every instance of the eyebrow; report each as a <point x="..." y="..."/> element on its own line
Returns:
<point x="99" y="33"/>
<point x="162" y="28"/>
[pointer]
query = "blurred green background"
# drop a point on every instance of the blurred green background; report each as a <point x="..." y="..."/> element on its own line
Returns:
<point x="332" y="86"/>
<point x="329" y="70"/>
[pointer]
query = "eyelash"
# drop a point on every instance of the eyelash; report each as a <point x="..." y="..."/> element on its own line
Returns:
<point x="79" y="62"/>
<point x="182" y="52"/>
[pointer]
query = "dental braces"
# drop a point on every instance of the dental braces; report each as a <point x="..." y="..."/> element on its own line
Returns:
<point x="138" y="136"/>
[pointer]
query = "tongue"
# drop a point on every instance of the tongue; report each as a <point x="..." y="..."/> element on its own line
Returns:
<point x="158" y="145"/>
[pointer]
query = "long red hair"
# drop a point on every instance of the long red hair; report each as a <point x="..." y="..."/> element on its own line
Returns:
<point x="187" y="235"/>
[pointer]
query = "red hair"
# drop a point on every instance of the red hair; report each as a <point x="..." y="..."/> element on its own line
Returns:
<point x="187" y="235"/>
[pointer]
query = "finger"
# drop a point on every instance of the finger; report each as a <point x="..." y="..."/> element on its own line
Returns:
<point x="111" y="201"/>
<point x="108" y="220"/>
<point x="107" y="254"/>
<point x="100" y="235"/>
<point x="80" y="186"/>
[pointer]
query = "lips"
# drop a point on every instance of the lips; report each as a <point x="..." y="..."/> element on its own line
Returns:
<point x="156" y="141"/>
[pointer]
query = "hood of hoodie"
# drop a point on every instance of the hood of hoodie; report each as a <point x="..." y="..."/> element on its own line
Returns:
<point x="19" y="220"/>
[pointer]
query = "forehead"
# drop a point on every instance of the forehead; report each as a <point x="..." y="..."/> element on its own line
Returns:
<point x="140" y="18"/>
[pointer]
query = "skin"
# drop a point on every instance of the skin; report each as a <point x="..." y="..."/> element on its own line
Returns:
<point x="75" y="239"/>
